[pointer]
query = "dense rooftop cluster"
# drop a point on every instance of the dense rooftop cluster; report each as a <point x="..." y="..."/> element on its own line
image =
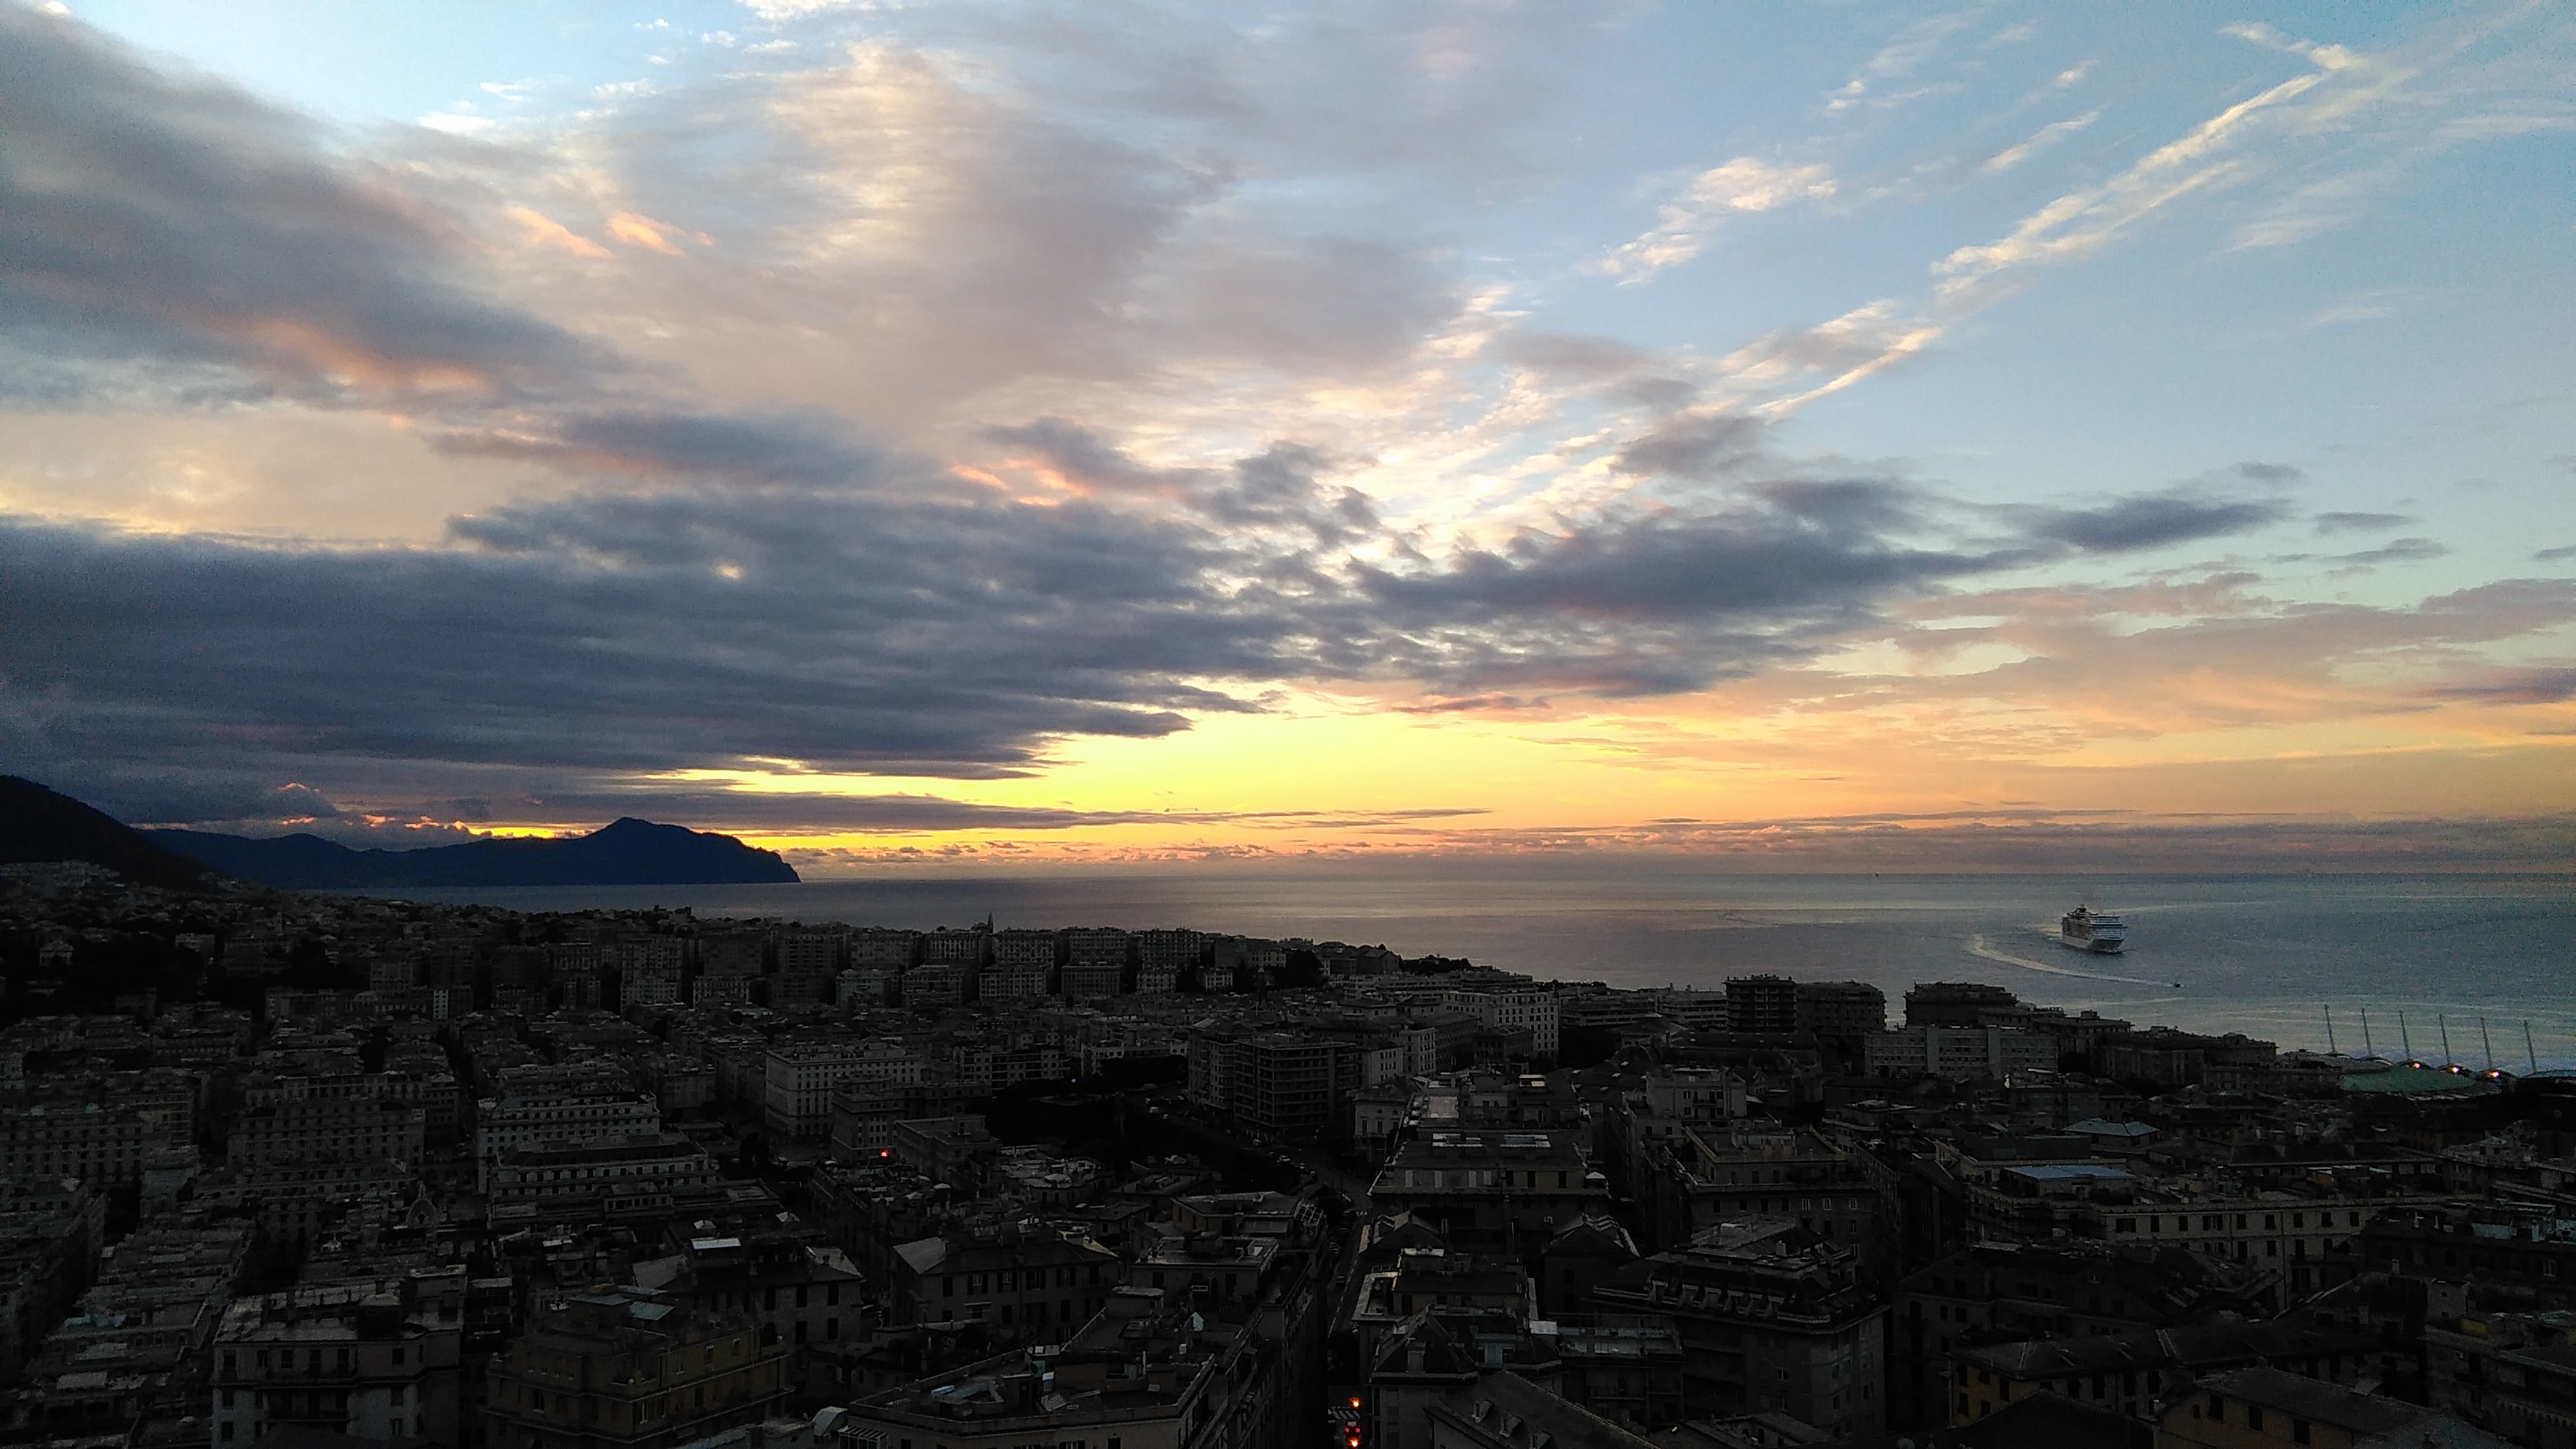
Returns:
<point x="323" y="1171"/>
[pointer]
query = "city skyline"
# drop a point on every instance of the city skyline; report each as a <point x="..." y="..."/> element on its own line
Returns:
<point x="986" y="435"/>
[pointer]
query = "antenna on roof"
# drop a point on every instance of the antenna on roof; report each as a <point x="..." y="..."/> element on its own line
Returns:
<point x="2530" y="1053"/>
<point x="2331" y="1048"/>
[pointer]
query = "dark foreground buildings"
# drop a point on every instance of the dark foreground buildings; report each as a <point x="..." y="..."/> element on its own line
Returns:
<point x="343" y="1173"/>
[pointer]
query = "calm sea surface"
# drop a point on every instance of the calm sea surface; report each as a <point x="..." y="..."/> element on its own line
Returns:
<point x="2265" y="955"/>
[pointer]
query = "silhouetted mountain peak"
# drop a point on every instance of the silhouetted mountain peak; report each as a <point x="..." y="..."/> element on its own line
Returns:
<point x="626" y="851"/>
<point x="40" y="824"/>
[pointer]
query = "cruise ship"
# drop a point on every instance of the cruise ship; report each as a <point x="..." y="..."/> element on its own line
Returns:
<point x="2086" y="929"/>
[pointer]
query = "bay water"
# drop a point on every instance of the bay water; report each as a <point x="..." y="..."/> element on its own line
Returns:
<point x="2267" y="955"/>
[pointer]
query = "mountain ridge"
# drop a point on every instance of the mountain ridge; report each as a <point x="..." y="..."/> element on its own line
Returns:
<point x="626" y="851"/>
<point x="39" y="824"/>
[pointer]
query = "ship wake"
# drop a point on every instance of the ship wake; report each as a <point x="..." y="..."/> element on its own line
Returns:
<point x="1977" y="947"/>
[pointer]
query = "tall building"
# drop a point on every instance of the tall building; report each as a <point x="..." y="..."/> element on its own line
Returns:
<point x="1841" y="1009"/>
<point x="1166" y="958"/>
<point x="1761" y="1003"/>
<point x="629" y="1368"/>
<point x="809" y="953"/>
<point x="1279" y="1083"/>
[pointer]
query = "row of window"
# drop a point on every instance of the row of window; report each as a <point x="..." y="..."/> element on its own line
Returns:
<point x="1010" y="1280"/>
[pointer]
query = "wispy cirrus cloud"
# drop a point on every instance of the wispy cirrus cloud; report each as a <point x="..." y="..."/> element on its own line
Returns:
<point x="1684" y="226"/>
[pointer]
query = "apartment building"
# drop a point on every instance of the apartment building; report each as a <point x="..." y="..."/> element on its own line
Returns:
<point x="1532" y="1010"/>
<point x="1164" y="959"/>
<point x="95" y="1142"/>
<point x="1956" y="1053"/>
<point x="374" y="1360"/>
<point x="630" y="1368"/>
<point x="1771" y="1319"/>
<point x="1492" y="1189"/>
<point x="1148" y="1374"/>
<point x="328" y="1128"/>
<point x="798" y="1078"/>
<point x="653" y="1162"/>
<point x="934" y="984"/>
<point x="1023" y="966"/>
<point x="1026" y="1283"/>
<point x="557" y="1115"/>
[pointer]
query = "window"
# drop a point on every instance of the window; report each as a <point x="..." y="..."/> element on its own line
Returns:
<point x="2253" y="1416"/>
<point x="2299" y="1431"/>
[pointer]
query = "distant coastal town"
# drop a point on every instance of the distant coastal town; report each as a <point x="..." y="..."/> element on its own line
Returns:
<point x="327" y="1169"/>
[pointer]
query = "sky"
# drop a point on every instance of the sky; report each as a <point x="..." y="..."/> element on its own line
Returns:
<point x="952" y="436"/>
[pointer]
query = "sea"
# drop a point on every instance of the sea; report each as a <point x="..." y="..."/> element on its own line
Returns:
<point x="2475" y="969"/>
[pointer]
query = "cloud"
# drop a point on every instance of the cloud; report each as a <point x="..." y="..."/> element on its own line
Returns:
<point x="1697" y="445"/>
<point x="2342" y="522"/>
<point x="2153" y="521"/>
<point x="1897" y="59"/>
<point x="1686" y="223"/>
<point x="2401" y="550"/>
<point x="826" y="813"/>
<point x="2542" y="685"/>
<point x="772" y="592"/>
<point x="241" y="249"/>
<point x="2028" y="841"/>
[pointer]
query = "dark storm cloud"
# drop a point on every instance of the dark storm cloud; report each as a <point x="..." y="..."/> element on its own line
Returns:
<point x="619" y="634"/>
<point x="2153" y="521"/>
<point x="161" y="223"/>
<point x="1666" y="601"/>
